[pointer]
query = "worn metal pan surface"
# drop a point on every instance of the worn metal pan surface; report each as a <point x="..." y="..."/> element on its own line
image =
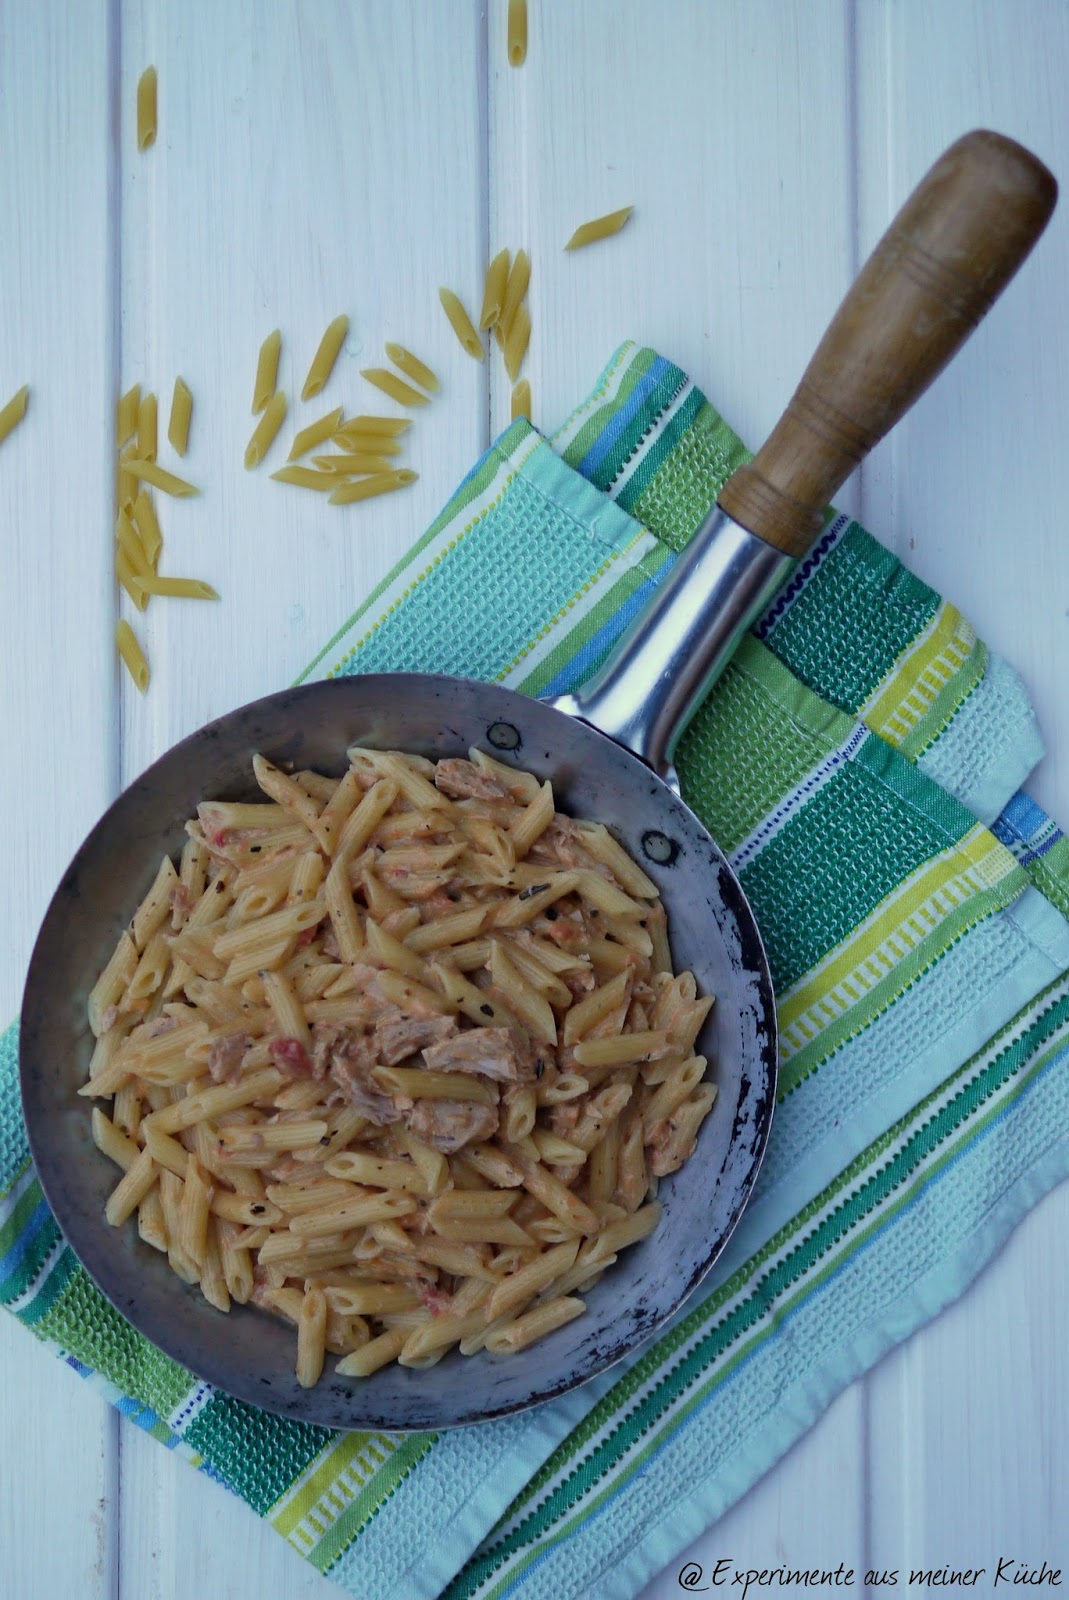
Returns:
<point x="608" y="753"/>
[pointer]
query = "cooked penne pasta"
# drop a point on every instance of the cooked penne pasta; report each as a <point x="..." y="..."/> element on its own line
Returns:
<point x="412" y="367"/>
<point x="325" y="357"/>
<point x="598" y="228"/>
<point x="315" y="433"/>
<point x="376" y="1066"/>
<point x="461" y="323"/>
<point x="535" y="1324"/>
<point x="181" y="415"/>
<point x="497" y="274"/>
<point x="517" y="32"/>
<point x="146" y="109"/>
<point x="266" y="430"/>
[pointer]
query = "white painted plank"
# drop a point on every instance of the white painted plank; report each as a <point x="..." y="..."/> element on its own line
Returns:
<point x="727" y="128"/>
<point x="971" y="489"/>
<point x="56" y="617"/>
<point x="310" y="161"/>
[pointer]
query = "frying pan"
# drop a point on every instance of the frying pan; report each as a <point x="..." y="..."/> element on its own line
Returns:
<point x="608" y="750"/>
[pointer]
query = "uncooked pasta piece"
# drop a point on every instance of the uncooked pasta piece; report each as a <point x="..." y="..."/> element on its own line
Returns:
<point x="388" y="425"/>
<point x="517" y="32"/>
<point x="306" y="478"/>
<point x="461" y="323"/>
<point x="160" y="478"/>
<point x="325" y="357"/>
<point x="353" y="464"/>
<point x="12" y="414"/>
<point x="132" y="654"/>
<point x="598" y="228"/>
<point x="266" y="370"/>
<point x="144" y="515"/>
<point x="315" y="433"/>
<point x="516" y="341"/>
<point x="497" y="277"/>
<point x="515" y="289"/>
<point x="147" y="428"/>
<point x="368" y="443"/>
<point x="181" y="412"/>
<point x="146" y="110"/>
<point x="412" y="366"/>
<point x="521" y="400"/>
<point x="126" y="415"/>
<point x="366" y="488"/>
<point x="264" y="433"/>
<point x="395" y="387"/>
<point x="178" y="588"/>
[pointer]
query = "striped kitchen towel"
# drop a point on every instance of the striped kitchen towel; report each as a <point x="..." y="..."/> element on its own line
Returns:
<point x="863" y="740"/>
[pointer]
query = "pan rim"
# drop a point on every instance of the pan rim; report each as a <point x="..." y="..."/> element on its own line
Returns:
<point x="80" y="1228"/>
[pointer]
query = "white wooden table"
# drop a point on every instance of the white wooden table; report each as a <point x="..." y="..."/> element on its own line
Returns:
<point x="348" y="156"/>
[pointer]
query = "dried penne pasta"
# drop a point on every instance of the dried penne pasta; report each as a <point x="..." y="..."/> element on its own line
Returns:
<point x="315" y="433"/>
<point x="132" y="654"/>
<point x="13" y="412"/>
<point x="518" y="281"/>
<point x="181" y="415"/>
<point x="516" y="341"/>
<point x="266" y="430"/>
<point x="368" y="488"/>
<point x="147" y="428"/>
<point x="179" y="588"/>
<point x="598" y="228"/>
<point x="148" y="528"/>
<point x="325" y="357"/>
<point x="146" y="109"/>
<point x="160" y="478"/>
<point x="372" y="426"/>
<point x="352" y="464"/>
<point x="266" y="371"/>
<point x="517" y="32"/>
<point x="412" y="367"/>
<point x="497" y="274"/>
<point x="397" y="389"/>
<point x="461" y="323"/>
<point x="521" y="400"/>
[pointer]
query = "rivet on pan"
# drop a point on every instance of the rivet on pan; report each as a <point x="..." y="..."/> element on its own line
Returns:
<point x="503" y="736"/>
<point x="660" y="848"/>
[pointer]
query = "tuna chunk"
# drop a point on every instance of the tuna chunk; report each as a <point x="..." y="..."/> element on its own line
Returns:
<point x="353" y="1058"/>
<point x="463" y="780"/>
<point x="449" y="1125"/>
<point x="225" y="1057"/>
<point x="404" y="1036"/>
<point x="498" y="1053"/>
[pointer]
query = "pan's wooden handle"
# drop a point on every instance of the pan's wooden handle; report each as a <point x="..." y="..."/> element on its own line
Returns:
<point x="940" y="266"/>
